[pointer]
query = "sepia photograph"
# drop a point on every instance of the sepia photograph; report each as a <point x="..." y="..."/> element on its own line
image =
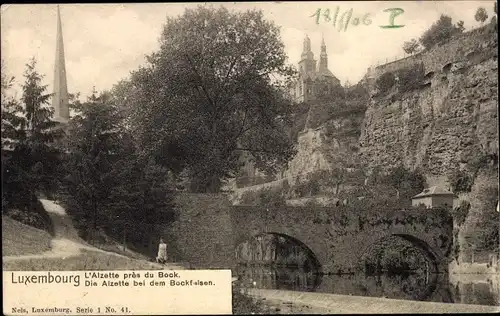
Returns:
<point x="331" y="157"/>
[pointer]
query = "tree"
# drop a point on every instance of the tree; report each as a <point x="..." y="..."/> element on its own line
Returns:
<point x="406" y="183"/>
<point x="440" y="31"/>
<point x="30" y="160"/>
<point x="215" y="89"/>
<point x="93" y="146"/>
<point x="9" y="123"/>
<point x="141" y="202"/>
<point x="481" y="15"/>
<point x="460" y="26"/>
<point x="411" y="46"/>
<point x="110" y="187"/>
<point x="485" y="234"/>
<point x="42" y="132"/>
<point x="10" y="107"/>
<point x="460" y="181"/>
<point x="494" y="18"/>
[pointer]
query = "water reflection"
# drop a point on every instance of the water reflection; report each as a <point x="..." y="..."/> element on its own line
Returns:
<point x="481" y="289"/>
<point x="421" y="287"/>
<point x="267" y="277"/>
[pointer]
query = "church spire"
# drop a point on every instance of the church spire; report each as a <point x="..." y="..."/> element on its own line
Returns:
<point x="323" y="61"/>
<point x="306" y="52"/>
<point x="60" y="96"/>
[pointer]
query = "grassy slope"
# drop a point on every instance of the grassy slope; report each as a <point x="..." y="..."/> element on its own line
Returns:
<point x="86" y="260"/>
<point x="20" y="239"/>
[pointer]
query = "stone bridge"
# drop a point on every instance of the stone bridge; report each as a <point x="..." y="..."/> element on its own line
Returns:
<point x="208" y="230"/>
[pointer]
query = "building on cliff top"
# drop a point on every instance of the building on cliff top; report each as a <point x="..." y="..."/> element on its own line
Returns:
<point x="313" y="80"/>
<point x="434" y="197"/>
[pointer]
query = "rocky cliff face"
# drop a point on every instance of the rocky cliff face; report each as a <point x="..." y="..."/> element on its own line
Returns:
<point x="448" y="120"/>
<point x="444" y="122"/>
<point x="330" y="137"/>
<point x="310" y="155"/>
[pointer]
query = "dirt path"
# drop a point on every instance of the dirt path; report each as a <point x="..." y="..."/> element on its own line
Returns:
<point x="66" y="242"/>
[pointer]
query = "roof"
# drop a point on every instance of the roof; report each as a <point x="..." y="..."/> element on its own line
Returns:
<point x="326" y="73"/>
<point x="434" y="191"/>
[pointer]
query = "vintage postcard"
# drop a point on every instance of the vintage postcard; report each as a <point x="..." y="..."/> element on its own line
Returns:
<point x="250" y="158"/>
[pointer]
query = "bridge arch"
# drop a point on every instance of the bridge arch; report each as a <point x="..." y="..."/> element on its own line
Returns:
<point x="311" y="256"/>
<point x="416" y="242"/>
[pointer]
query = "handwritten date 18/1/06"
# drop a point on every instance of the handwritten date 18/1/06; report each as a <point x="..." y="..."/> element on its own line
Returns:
<point x="346" y="18"/>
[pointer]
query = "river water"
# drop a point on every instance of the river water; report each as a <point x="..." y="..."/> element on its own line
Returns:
<point x="483" y="290"/>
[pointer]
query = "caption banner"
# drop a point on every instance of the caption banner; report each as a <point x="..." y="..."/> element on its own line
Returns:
<point x="139" y="292"/>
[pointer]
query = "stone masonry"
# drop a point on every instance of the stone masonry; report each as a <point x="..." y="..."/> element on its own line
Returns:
<point x="209" y="230"/>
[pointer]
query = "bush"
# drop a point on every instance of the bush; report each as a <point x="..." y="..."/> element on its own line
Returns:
<point x="30" y="211"/>
<point x="385" y="82"/>
<point x="461" y="181"/>
<point x="408" y="183"/>
<point x="307" y="188"/>
<point x="249" y="197"/>
<point x="357" y="92"/>
<point x="410" y="78"/>
<point x="485" y="236"/>
<point x="270" y="197"/>
<point x="244" y="304"/>
<point x="411" y="46"/>
<point x="439" y="32"/>
<point x="460" y="213"/>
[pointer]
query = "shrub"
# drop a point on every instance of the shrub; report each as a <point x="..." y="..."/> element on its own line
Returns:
<point x="461" y="181"/>
<point x="485" y="236"/>
<point x="410" y="78"/>
<point x="244" y="304"/>
<point x="309" y="187"/>
<point x="385" y="82"/>
<point x="481" y="15"/>
<point x="460" y="213"/>
<point x="249" y="197"/>
<point x="270" y="197"/>
<point x="411" y="46"/>
<point x="408" y="183"/>
<point x="440" y="31"/>
<point x="30" y="211"/>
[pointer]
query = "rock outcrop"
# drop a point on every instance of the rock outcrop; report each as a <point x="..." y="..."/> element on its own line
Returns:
<point x="446" y="122"/>
<point x="441" y="119"/>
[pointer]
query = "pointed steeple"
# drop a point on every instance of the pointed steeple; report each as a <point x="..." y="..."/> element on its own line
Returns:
<point x="323" y="60"/>
<point x="60" y="96"/>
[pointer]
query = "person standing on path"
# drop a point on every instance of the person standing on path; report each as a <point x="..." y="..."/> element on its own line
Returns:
<point x="162" y="252"/>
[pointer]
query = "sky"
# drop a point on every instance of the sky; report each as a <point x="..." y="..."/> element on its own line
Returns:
<point x="105" y="42"/>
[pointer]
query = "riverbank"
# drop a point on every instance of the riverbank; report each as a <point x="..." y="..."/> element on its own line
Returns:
<point x="316" y="303"/>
